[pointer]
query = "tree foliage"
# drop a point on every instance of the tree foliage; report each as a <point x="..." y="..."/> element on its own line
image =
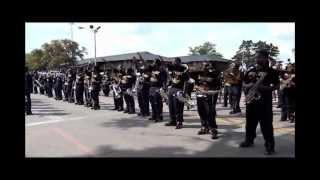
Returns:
<point x="34" y="59"/>
<point x="248" y="48"/>
<point x="206" y="48"/>
<point x="52" y="54"/>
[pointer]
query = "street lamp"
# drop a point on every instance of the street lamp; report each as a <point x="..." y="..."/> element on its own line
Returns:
<point x="94" y="30"/>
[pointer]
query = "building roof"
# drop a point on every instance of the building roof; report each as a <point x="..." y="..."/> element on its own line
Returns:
<point x="122" y="57"/>
<point x="149" y="56"/>
<point x="195" y="58"/>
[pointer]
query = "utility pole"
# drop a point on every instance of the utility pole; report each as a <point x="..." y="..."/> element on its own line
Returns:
<point x="71" y="30"/>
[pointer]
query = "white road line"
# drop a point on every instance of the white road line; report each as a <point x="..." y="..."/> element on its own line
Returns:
<point x="53" y="120"/>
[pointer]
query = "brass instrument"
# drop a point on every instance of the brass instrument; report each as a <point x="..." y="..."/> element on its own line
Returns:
<point x="129" y="92"/>
<point x="153" y="77"/>
<point x="231" y="76"/>
<point x="90" y="82"/>
<point x="74" y="83"/>
<point x="164" y="95"/>
<point x="124" y="80"/>
<point x="116" y="89"/>
<point x="139" y="81"/>
<point x="116" y="85"/>
<point x="38" y="83"/>
<point x="288" y="82"/>
<point x="227" y="76"/>
<point x="175" y="80"/>
<point x="253" y="93"/>
<point x="186" y="100"/>
<point x="204" y="91"/>
<point x="177" y="75"/>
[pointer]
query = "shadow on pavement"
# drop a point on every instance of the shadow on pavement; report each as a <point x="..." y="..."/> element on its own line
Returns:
<point x="106" y="106"/>
<point x="39" y="104"/>
<point x="41" y="108"/>
<point x="242" y="115"/>
<point x="198" y="126"/>
<point x="137" y="121"/>
<point x="48" y="110"/>
<point x="109" y="151"/>
<point x="49" y="114"/>
<point x="223" y="108"/>
<point x="130" y="122"/>
<point x="225" y="146"/>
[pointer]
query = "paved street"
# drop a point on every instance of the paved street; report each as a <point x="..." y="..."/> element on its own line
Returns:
<point x="61" y="129"/>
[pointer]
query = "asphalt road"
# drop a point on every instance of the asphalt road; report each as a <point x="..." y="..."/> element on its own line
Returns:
<point x="61" y="129"/>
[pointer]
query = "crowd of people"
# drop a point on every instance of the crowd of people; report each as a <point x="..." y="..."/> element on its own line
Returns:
<point x="173" y="84"/>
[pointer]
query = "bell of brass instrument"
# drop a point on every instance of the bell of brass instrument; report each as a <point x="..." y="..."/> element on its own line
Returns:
<point x="253" y="93"/>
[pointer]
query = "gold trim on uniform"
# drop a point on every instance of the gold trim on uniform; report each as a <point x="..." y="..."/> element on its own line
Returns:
<point x="152" y="79"/>
<point x="175" y="80"/>
<point x="178" y="73"/>
<point x="207" y="79"/>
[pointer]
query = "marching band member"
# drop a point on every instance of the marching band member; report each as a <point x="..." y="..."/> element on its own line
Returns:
<point x="116" y="90"/>
<point x="176" y="86"/>
<point x="142" y="88"/>
<point x="106" y="83"/>
<point x="113" y="86"/>
<point x="259" y="82"/>
<point x="58" y="86"/>
<point x="79" y="87"/>
<point x="87" y="88"/>
<point x="236" y="82"/>
<point x="208" y="86"/>
<point x="35" y="85"/>
<point x="128" y="81"/>
<point x="287" y="87"/>
<point x="70" y="79"/>
<point x="28" y="89"/>
<point x="157" y="80"/>
<point x="227" y="86"/>
<point x="96" y="87"/>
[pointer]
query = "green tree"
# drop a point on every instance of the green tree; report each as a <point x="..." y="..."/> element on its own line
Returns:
<point x="206" y="48"/>
<point x="245" y="52"/>
<point x="52" y="54"/>
<point x="61" y="51"/>
<point x="272" y="49"/>
<point x="248" y="48"/>
<point x="34" y="59"/>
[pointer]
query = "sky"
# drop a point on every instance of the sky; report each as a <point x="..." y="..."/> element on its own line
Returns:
<point x="166" y="39"/>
